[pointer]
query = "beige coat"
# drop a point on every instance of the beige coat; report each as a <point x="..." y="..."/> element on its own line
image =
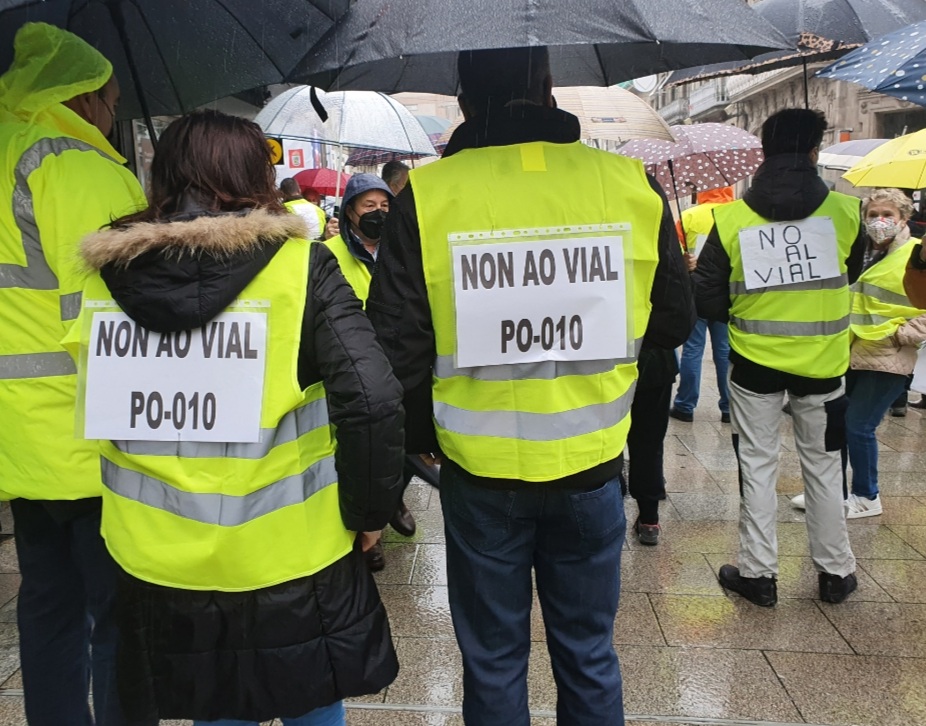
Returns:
<point x="896" y="354"/>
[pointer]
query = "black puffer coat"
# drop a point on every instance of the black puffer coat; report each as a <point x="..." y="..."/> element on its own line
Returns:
<point x="287" y="649"/>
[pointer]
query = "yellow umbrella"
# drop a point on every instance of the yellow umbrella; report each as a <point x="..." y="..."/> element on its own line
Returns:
<point x="901" y="162"/>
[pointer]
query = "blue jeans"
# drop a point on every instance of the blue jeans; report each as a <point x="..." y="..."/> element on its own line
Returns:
<point x="572" y="540"/>
<point x="67" y="628"/>
<point x="689" y="386"/>
<point x="332" y="715"/>
<point x="871" y="394"/>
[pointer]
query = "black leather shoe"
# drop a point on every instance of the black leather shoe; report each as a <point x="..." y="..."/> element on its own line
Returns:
<point x="762" y="591"/>
<point x="681" y="415"/>
<point x="375" y="557"/>
<point x="724" y="417"/>
<point x="836" y="589"/>
<point x="402" y="521"/>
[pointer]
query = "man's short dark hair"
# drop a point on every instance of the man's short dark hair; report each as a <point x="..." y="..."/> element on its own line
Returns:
<point x="793" y="131"/>
<point x="392" y="170"/>
<point x="290" y="188"/>
<point x="495" y="77"/>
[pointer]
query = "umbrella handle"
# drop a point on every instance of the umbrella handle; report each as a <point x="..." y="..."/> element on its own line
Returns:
<point x="678" y="206"/>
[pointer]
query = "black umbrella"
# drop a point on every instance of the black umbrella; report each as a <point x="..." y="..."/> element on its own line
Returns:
<point x="171" y="56"/>
<point x="818" y="30"/>
<point x="411" y="45"/>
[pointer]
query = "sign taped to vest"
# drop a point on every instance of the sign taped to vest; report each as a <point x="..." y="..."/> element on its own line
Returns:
<point x="205" y="384"/>
<point x="785" y="253"/>
<point x="525" y="296"/>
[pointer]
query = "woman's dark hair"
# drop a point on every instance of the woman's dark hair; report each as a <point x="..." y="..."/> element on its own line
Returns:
<point x="222" y="161"/>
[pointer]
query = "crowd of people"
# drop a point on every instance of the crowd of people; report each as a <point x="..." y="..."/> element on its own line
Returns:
<point x="220" y="393"/>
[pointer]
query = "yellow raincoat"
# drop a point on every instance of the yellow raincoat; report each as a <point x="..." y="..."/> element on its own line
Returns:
<point x="59" y="179"/>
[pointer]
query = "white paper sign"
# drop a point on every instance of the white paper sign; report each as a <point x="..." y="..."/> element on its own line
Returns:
<point x="531" y="301"/>
<point x="197" y="385"/>
<point x="784" y="253"/>
<point x="919" y="372"/>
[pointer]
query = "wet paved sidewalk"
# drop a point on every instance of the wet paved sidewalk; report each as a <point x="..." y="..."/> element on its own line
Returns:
<point x="690" y="654"/>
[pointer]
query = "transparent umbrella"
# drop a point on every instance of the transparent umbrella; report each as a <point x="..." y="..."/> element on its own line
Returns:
<point x="356" y="120"/>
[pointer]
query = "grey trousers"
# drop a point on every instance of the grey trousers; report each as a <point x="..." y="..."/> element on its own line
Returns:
<point x="756" y="418"/>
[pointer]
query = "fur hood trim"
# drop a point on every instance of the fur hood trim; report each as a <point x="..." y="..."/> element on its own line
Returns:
<point x="215" y="235"/>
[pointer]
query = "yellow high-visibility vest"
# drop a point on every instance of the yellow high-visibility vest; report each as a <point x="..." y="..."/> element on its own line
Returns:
<point x="545" y="420"/>
<point x="698" y="221"/>
<point x="313" y="215"/>
<point x="800" y="327"/>
<point x="233" y="516"/>
<point x="879" y="303"/>
<point x="41" y="223"/>
<point x="358" y="275"/>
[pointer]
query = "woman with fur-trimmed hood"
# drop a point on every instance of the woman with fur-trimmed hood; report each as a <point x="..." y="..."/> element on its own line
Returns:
<point x="244" y="593"/>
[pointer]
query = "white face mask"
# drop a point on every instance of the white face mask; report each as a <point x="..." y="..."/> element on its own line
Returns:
<point x="881" y="229"/>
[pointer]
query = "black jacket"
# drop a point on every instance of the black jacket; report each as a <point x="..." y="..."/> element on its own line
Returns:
<point x="398" y="304"/>
<point x="785" y="187"/>
<point x="294" y="647"/>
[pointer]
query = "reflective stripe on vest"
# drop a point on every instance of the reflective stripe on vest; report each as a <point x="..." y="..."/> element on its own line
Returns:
<point x="308" y="418"/>
<point x="544" y="371"/>
<point x="535" y="426"/>
<point x="219" y="504"/>
<point x="879" y="302"/>
<point x="223" y="510"/>
<point x="542" y="420"/>
<point x="834" y="283"/>
<point x="788" y="329"/>
<point x="36" y="365"/>
<point x="36" y="275"/>
<point x="800" y="328"/>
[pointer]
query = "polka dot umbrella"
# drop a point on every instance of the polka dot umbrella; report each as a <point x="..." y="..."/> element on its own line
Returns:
<point x="705" y="156"/>
<point x="894" y="64"/>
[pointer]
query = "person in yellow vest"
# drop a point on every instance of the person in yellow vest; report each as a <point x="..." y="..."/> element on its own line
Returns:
<point x="312" y="214"/>
<point x="777" y="266"/>
<point x="512" y="290"/>
<point x="887" y="330"/>
<point x="363" y="213"/>
<point x="695" y="225"/>
<point x="251" y="444"/>
<point x="60" y="179"/>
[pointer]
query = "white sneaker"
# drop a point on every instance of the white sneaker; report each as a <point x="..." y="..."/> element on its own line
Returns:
<point x="858" y="507"/>
<point x="798" y="502"/>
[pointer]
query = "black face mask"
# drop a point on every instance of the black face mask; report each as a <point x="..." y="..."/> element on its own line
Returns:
<point x="371" y="223"/>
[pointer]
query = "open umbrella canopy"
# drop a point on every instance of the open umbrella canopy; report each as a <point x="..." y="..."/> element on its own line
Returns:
<point x="846" y="154"/>
<point x="356" y="120"/>
<point x="171" y="56"/>
<point x="706" y="156"/>
<point x="900" y="162"/>
<point x="411" y="45"/>
<point x="327" y="182"/>
<point x="894" y="64"/>
<point x="817" y="30"/>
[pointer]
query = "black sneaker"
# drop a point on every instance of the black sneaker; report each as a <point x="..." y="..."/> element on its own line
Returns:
<point x="836" y="589"/>
<point x="724" y="417"/>
<point x="762" y="591"/>
<point x="899" y="411"/>
<point x="647" y="534"/>
<point x="681" y="415"/>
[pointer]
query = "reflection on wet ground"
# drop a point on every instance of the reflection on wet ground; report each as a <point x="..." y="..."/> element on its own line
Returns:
<point x="690" y="653"/>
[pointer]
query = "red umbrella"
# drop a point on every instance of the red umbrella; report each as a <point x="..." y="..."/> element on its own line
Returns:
<point x="326" y="182"/>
